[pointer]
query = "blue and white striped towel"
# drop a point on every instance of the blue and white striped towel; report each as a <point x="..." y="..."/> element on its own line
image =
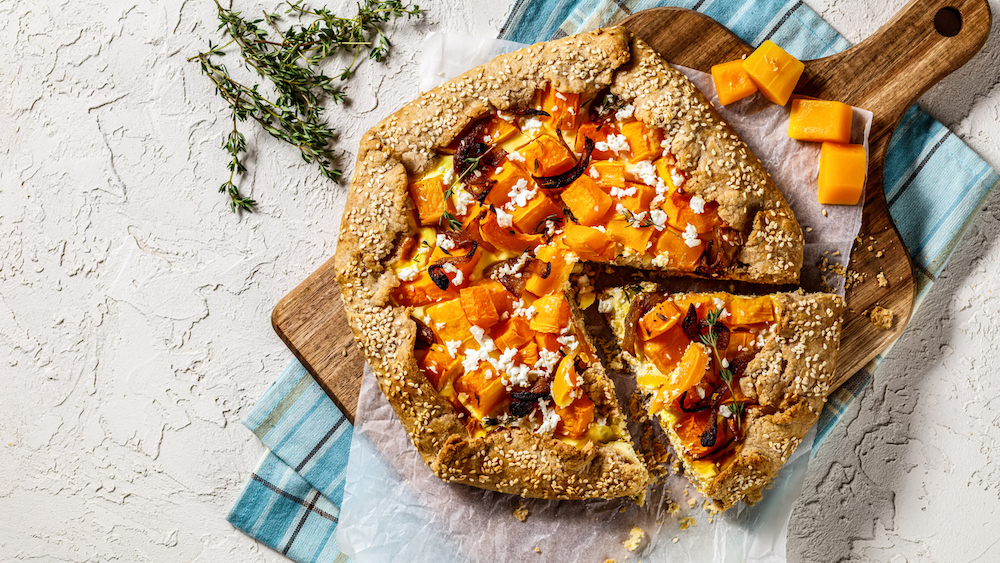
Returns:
<point x="291" y="501"/>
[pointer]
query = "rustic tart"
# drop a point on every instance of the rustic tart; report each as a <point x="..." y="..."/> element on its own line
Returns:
<point x="471" y="213"/>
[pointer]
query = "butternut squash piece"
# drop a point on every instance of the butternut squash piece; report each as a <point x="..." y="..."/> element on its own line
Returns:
<point x="546" y="156"/>
<point x="563" y="109"/>
<point x="630" y="235"/>
<point x="609" y="174"/>
<point x="774" y="72"/>
<point x="463" y="274"/>
<point x="576" y="418"/>
<point x="421" y="291"/>
<point x="678" y="254"/>
<point x="597" y="133"/>
<point x="588" y="203"/>
<point x="552" y="314"/>
<point x="732" y="83"/>
<point x="640" y="201"/>
<point x="482" y="389"/>
<point x="660" y="319"/>
<point x="528" y="354"/>
<point x="743" y="311"/>
<point x="842" y="171"/>
<point x="587" y="242"/>
<point x="503" y="300"/>
<point x="739" y="342"/>
<point x="508" y="177"/>
<point x="500" y="130"/>
<point x="680" y="214"/>
<point x="428" y="197"/>
<point x="478" y="306"/>
<point x="565" y="384"/>
<point x="666" y="350"/>
<point x="529" y="219"/>
<point x="505" y="238"/>
<point x="820" y="120"/>
<point x="513" y="333"/>
<point x="548" y="341"/>
<point x="439" y="366"/>
<point x="558" y="275"/>
<point x="687" y="374"/>
<point x="644" y="141"/>
<point x="448" y="321"/>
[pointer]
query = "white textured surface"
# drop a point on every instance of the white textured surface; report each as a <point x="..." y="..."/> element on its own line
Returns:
<point x="134" y="309"/>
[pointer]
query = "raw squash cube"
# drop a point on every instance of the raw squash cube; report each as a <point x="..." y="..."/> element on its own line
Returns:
<point x="842" y="171"/>
<point x="732" y="83"/>
<point x="774" y="72"/>
<point x="820" y="120"/>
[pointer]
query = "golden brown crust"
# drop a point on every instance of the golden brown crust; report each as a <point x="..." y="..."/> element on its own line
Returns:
<point x="790" y="375"/>
<point x="720" y="166"/>
<point x="407" y="142"/>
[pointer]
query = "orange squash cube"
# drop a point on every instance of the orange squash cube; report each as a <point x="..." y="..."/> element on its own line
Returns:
<point x="448" y="321"/>
<point x="744" y="311"/>
<point x="679" y="255"/>
<point x="529" y="219"/>
<point x="508" y="177"/>
<point x="478" y="306"/>
<point x="563" y="109"/>
<point x="565" y="384"/>
<point x="482" y="389"/>
<point x="439" y="366"/>
<point x="428" y="197"/>
<point x="552" y="313"/>
<point x="575" y="419"/>
<point x="739" y="342"/>
<point x="528" y="354"/>
<point x="660" y="319"/>
<point x="629" y="234"/>
<point x="644" y="141"/>
<point x="587" y="242"/>
<point x="588" y="203"/>
<point x="820" y="120"/>
<point x="609" y="174"/>
<point x="690" y="370"/>
<point x="732" y="83"/>
<point x="465" y="269"/>
<point x="640" y="201"/>
<point x="680" y="214"/>
<point x="842" y="171"/>
<point x="598" y="134"/>
<point x="548" y="341"/>
<point x="666" y="350"/>
<point x="505" y="238"/>
<point x="774" y="72"/>
<point x="500" y="130"/>
<point x="513" y="333"/>
<point x="558" y="276"/>
<point x="421" y="291"/>
<point x="503" y="300"/>
<point x="546" y="156"/>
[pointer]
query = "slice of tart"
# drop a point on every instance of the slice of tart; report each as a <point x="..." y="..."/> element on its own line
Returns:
<point x="471" y="207"/>
<point x="735" y="382"/>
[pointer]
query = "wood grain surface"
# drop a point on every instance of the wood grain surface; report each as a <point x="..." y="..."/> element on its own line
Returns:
<point x="886" y="74"/>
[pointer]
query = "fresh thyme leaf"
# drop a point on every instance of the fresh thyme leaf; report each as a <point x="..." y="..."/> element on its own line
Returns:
<point x="710" y="339"/>
<point x="453" y="223"/>
<point x="289" y="60"/>
<point x="633" y="220"/>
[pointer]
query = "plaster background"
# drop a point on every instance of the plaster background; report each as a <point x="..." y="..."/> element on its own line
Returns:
<point x="134" y="308"/>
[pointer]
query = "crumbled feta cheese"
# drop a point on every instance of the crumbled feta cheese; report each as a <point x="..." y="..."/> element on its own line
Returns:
<point x="409" y="273"/>
<point x="445" y="243"/>
<point x="450" y="268"/>
<point x="677" y="178"/>
<point x="601" y="228"/>
<point x="509" y="269"/>
<point x="725" y="363"/>
<point x="560" y="96"/>
<point x="452" y="346"/>
<point x="515" y="156"/>
<point x="549" y="418"/>
<point x="532" y="126"/>
<point x="504" y="219"/>
<point x="691" y="236"/>
<point x="547" y="360"/>
<point x="625" y="113"/>
<point x="719" y="303"/>
<point x="554" y="109"/>
<point x="499" y="170"/>
<point x="449" y="175"/>
<point x="697" y="205"/>
<point x="594" y="173"/>
<point x="618" y="143"/>
<point x="520" y="194"/>
<point x="463" y="199"/>
<point x="701" y="391"/>
<point x="645" y="170"/>
<point x="504" y="116"/>
<point x="602" y="146"/>
<point x="659" y="218"/>
<point x="569" y="341"/>
<point x="725" y="412"/>
<point x="623" y="192"/>
<point x="661" y="260"/>
<point x="605" y="306"/>
<point x="521" y="311"/>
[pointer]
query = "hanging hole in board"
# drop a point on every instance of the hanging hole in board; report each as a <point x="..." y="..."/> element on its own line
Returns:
<point x="948" y="22"/>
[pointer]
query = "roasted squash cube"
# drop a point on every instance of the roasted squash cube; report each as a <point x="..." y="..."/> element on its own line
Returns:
<point x="588" y="203"/>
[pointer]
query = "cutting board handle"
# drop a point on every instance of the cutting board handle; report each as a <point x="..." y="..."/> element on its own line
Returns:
<point x="889" y="71"/>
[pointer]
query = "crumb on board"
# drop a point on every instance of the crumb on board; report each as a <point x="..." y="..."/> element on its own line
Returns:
<point x="636" y="537"/>
<point x="538" y="550"/>
<point x="688" y="522"/>
<point x="692" y="502"/>
<point x="824" y="213"/>
<point x="676" y="539"/>
<point x="851" y="277"/>
<point x="882" y="282"/>
<point x="881" y="317"/>
<point x="610" y="561"/>
<point x="521" y="512"/>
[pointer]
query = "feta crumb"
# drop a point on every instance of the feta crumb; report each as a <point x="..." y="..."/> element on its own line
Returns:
<point x="445" y="243"/>
<point x="623" y="192"/>
<point x="697" y="205"/>
<point x="515" y="156"/>
<point x="605" y="306"/>
<point x="594" y="173"/>
<point x="504" y="219"/>
<point x="659" y="218"/>
<point x="408" y="273"/>
<point x="463" y="199"/>
<point x="625" y="113"/>
<point x="618" y="143"/>
<point x="549" y="418"/>
<point x="449" y="175"/>
<point x="519" y="194"/>
<point x="677" y="178"/>
<point x="645" y="170"/>
<point x="691" y="236"/>
<point x="450" y="268"/>
<point x="532" y="126"/>
<point x="452" y="346"/>
<point x="725" y="412"/>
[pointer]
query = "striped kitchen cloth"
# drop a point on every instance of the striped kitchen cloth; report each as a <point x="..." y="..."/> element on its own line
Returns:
<point x="291" y="501"/>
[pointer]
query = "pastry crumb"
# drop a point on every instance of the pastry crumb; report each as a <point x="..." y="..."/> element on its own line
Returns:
<point x="610" y="561"/>
<point x="692" y="502"/>
<point x="521" y="512"/>
<point x="688" y="522"/>
<point x="676" y="539"/>
<point x="824" y="213"/>
<point x="882" y="282"/>
<point x="635" y="539"/>
<point x="538" y="550"/>
<point x="881" y="317"/>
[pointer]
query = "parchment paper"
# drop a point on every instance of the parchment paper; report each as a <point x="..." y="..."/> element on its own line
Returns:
<point x="395" y="509"/>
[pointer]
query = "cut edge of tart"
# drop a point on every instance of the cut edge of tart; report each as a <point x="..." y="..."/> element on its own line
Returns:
<point x="381" y="216"/>
<point x="735" y="382"/>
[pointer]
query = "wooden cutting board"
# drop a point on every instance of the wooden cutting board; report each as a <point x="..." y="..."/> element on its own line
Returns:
<point x="887" y="73"/>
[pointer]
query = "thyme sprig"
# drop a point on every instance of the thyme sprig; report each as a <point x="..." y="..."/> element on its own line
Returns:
<point x="289" y="60"/>
<point x="711" y="339"/>
<point x="474" y="163"/>
<point x="635" y="220"/>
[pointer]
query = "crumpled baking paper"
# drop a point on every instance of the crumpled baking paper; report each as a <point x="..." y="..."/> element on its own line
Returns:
<point x="395" y="509"/>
